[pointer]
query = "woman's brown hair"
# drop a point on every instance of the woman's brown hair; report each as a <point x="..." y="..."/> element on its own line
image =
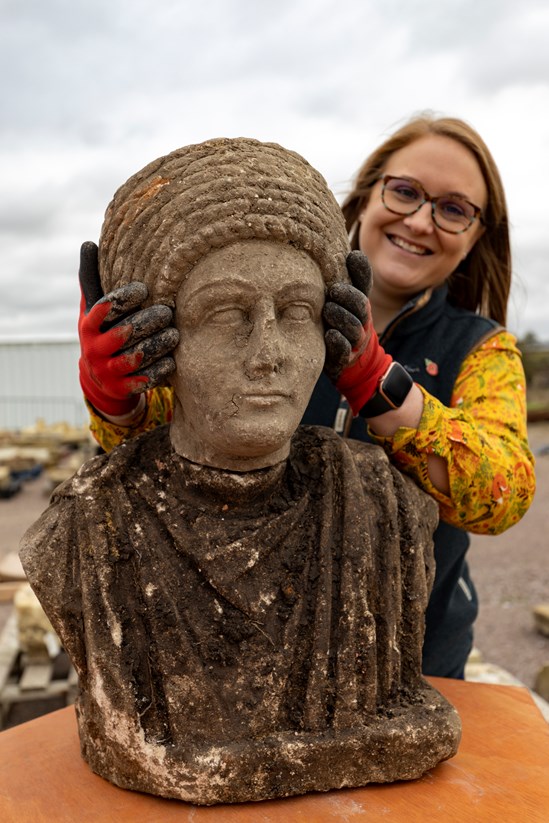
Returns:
<point x="482" y="281"/>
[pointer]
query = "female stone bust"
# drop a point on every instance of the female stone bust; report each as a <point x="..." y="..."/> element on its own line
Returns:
<point x="242" y="597"/>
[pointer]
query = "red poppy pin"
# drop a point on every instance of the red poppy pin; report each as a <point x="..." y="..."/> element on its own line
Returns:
<point x="431" y="367"/>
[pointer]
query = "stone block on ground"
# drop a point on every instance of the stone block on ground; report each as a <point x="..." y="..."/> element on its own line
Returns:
<point x="541" y="618"/>
<point x="542" y="682"/>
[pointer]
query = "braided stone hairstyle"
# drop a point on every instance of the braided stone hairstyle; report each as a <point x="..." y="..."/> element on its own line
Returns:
<point x="203" y="197"/>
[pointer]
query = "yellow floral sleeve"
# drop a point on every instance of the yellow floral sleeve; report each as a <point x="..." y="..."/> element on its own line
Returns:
<point x="158" y="410"/>
<point x="482" y="437"/>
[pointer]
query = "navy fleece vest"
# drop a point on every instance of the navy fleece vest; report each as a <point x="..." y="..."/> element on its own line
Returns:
<point x="430" y="341"/>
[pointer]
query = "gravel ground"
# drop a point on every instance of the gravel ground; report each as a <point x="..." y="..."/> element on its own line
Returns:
<point x="511" y="571"/>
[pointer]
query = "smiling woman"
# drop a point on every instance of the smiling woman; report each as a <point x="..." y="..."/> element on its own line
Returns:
<point x="413" y="246"/>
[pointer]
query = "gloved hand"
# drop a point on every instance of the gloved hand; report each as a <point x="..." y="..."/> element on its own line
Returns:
<point x="123" y="349"/>
<point x="355" y="359"/>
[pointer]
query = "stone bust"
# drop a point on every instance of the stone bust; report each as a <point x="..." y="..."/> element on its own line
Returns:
<point x="242" y="597"/>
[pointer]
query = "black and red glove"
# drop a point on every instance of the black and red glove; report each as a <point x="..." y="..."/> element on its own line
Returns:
<point x="123" y="348"/>
<point x="355" y="359"/>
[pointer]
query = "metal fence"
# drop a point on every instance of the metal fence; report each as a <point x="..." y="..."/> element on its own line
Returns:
<point x="39" y="381"/>
<point x="20" y="412"/>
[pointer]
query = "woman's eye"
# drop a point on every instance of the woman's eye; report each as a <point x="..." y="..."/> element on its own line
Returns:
<point x="407" y="193"/>
<point x="453" y="208"/>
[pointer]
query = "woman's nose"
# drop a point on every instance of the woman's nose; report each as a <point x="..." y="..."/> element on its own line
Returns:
<point x="421" y="221"/>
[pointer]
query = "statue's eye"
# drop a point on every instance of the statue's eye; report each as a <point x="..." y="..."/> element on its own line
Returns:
<point x="296" y="312"/>
<point x="227" y="316"/>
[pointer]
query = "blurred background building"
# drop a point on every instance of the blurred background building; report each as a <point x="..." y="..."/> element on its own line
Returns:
<point x="39" y="381"/>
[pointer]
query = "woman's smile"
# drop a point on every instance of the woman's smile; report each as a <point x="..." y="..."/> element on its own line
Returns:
<point x="408" y="245"/>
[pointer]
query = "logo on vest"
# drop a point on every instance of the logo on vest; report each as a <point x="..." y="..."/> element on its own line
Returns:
<point x="431" y="367"/>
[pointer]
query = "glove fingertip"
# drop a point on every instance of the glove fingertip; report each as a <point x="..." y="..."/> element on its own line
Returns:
<point x="157" y="372"/>
<point x="88" y="274"/>
<point x="360" y="271"/>
<point x="336" y="343"/>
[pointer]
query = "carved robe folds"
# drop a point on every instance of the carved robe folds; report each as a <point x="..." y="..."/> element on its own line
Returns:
<point x="245" y="636"/>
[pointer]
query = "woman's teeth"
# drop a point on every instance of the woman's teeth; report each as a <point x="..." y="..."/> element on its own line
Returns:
<point x="411" y="247"/>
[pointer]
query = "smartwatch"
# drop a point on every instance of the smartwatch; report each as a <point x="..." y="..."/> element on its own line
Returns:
<point x="392" y="390"/>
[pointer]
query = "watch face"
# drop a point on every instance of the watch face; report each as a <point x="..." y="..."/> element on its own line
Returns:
<point x="396" y="385"/>
<point x="392" y="391"/>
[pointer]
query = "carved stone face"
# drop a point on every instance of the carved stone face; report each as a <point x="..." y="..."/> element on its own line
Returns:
<point x="251" y="350"/>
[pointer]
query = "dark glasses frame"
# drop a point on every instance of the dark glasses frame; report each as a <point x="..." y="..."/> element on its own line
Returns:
<point x="427" y="198"/>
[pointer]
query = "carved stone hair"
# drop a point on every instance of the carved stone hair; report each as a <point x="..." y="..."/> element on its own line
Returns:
<point x="203" y="197"/>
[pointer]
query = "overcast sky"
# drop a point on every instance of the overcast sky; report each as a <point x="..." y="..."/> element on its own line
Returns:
<point x="93" y="90"/>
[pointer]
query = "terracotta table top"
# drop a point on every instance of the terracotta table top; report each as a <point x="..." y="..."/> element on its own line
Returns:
<point x="501" y="773"/>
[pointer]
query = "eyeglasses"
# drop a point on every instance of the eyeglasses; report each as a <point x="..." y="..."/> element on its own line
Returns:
<point x="451" y="213"/>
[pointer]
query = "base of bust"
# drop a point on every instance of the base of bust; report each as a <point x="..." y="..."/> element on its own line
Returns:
<point x="401" y="743"/>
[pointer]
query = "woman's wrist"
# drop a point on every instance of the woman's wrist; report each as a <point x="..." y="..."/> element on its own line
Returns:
<point x="127" y="419"/>
<point x="408" y="415"/>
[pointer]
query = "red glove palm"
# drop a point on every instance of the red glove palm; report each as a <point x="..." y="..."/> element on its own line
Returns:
<point x="355" y="359"/>
<point x="122" y="349"/>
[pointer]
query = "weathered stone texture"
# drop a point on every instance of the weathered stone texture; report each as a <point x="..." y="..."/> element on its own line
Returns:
<point x="244" y="636"/>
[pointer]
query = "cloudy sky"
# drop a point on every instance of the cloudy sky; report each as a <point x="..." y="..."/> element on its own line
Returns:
<point x="95" y="89"/>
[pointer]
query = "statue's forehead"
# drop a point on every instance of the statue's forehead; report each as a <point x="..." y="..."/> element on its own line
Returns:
<point x="254" y="267"/>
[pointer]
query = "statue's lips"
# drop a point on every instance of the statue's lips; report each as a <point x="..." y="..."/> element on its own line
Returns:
<point x="264" y="398"/>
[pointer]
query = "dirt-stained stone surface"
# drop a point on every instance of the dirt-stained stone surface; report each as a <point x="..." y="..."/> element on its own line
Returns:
<point x="238" y="639"/>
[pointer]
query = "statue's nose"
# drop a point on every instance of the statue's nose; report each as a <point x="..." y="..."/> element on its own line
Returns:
<point x="265" y="350"/>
